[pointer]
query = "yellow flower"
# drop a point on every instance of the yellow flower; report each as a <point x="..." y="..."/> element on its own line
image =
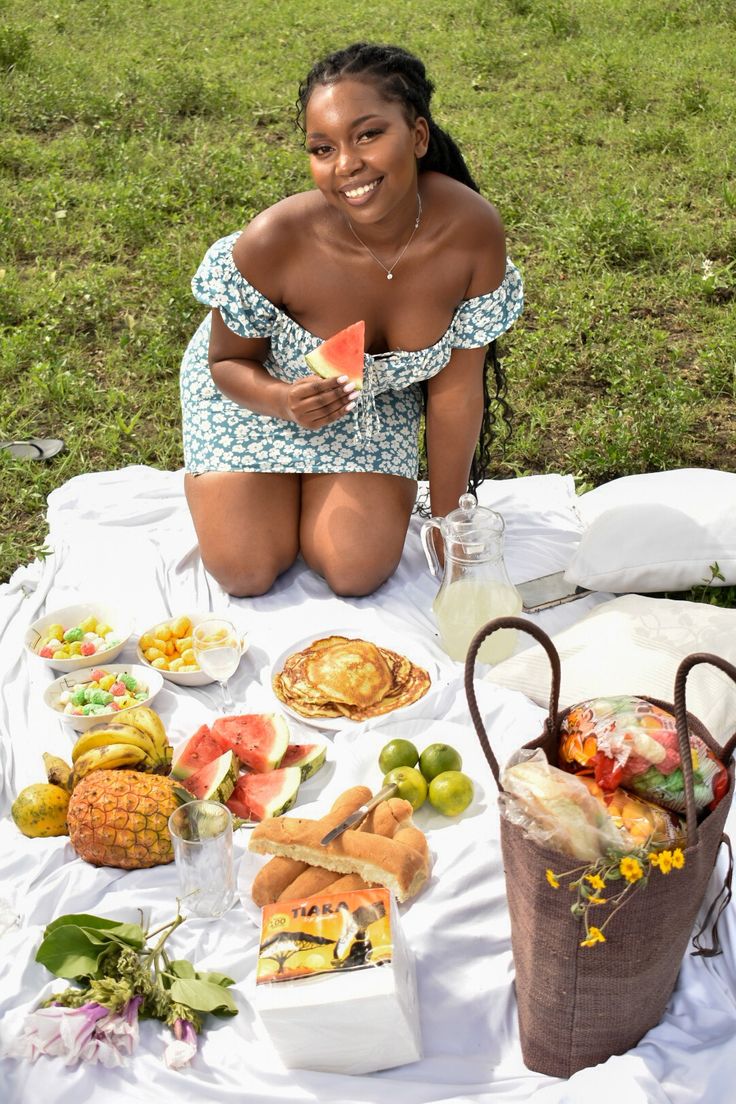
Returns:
<point x="631" y="868"/>
<point x="678" y="859"/>
<point x="597" y="900"/>
<point x="596" y="881"/>
<point x="665" y="862"/>
<point x="595" y="935"/>
<point x="551" y="879"/>
<point x="653" y="858"/>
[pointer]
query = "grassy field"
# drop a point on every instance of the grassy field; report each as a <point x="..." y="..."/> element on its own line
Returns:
<point x="134" y="134"/>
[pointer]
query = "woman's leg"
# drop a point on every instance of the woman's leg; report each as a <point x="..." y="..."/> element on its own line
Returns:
<point x="247" y="525"/>
<point x="353" y="527"/>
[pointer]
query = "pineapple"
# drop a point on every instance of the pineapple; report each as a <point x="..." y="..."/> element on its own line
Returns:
<point x="120" y="818"/>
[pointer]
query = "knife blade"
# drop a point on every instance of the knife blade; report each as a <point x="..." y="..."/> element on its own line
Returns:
<point x="360" y="814"/>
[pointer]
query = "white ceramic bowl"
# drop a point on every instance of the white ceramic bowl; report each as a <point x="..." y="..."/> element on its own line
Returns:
<point x="148" y="676"/>
<point x="185" y="678"/>
<point x="69" y="617"/>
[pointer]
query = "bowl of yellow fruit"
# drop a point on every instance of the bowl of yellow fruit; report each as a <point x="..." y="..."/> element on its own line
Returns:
<point x="167" y="648"/>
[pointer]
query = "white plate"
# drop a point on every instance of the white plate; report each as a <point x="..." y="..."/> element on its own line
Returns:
<point x="149" y="676"/>
<point x="415" y="653"/>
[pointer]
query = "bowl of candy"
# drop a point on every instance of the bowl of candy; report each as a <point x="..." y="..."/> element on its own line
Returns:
<point x="86" y="635"/>
<point x="92" y="695"/>
<point x="167" y="647"/>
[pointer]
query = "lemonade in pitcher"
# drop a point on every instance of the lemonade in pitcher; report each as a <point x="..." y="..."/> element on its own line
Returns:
<point x="475" y="586"/>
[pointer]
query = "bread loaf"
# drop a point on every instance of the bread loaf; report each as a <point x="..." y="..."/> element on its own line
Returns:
<point x="399" y="861"/>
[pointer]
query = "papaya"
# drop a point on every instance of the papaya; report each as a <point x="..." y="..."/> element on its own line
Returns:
<point x="40" y="810"/>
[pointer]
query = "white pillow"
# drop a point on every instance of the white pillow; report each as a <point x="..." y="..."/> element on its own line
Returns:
<point x="655" y="532"/>
<point x="634" y="645"/>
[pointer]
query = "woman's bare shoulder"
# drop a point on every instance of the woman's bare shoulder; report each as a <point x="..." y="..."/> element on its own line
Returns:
<point x="268" y="242"/>
<point x="475" y="227"/>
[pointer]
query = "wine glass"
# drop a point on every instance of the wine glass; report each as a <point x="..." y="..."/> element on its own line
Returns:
<point x="217" y="649"/>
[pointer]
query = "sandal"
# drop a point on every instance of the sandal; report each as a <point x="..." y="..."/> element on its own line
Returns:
<point x="35" y="448"/>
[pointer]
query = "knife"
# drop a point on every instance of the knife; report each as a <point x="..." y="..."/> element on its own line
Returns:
<point x="361" y="813"/>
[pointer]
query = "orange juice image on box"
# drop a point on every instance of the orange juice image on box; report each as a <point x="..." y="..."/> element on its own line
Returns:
<point x="327" y="932"/>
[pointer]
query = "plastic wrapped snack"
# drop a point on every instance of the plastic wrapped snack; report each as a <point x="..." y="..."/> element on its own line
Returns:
<point x="644" y="823"/>
<point x="556" y="809"/>
<point x="627" y="741"/>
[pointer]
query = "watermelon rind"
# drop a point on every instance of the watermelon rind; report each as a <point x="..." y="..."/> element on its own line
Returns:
<point x="216" y="780"/>
<point x="258" y="739"/>
<point x="196" y="752"/>
<point x="308" y="757"/>
<point x="341" y="355"/>
<point x="247" y="800"/>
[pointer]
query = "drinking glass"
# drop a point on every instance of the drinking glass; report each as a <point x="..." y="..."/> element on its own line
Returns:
<point x="217" y="648"/>
<point x="202" y="835"/>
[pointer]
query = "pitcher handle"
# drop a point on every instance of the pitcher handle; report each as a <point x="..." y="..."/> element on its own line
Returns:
<point x="428" y="545"/>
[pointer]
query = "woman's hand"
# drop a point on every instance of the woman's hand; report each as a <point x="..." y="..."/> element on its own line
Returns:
<point x="313" y="402"/>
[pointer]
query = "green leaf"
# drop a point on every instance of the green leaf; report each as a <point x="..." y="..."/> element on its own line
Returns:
<point x="182" y="968"/>
<point x="69" y="953"/>
<point x="216" y="979"/>
<point x="132" y="934"/>
<point x="202" y="996"/>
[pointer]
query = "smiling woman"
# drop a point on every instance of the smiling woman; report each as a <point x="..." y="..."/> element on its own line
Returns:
<point x="280" y="462"/>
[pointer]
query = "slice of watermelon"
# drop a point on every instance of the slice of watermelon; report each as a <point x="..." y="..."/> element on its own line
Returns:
<point x="196" y="752"/>
<point x="258" y="739"/>
<point x="259" y="796"/>
<point x="341" y="355"/>
<point x="216" y="780"/>
<point x="308" y="757"/>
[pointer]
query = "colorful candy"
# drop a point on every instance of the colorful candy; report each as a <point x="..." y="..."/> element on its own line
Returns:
<point x="87" y="638"/>
<point x="105" y="693"/>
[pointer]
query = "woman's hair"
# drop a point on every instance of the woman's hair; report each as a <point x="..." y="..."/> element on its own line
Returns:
<point x="402" y="77"/>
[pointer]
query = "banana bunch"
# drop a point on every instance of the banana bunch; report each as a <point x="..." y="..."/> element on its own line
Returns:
<point x="137" y="743"/>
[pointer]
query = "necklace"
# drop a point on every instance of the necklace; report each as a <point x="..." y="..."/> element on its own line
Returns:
<point x="390" y="271"/>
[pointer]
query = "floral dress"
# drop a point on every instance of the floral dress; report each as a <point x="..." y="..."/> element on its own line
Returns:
<point x="381" y="435"/>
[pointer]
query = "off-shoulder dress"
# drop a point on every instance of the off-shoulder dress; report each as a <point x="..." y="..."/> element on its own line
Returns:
<point x="379" y="436"/>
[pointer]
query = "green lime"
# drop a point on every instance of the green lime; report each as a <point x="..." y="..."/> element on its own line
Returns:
<point x="451" y="792"/>
<point x="412" y="785"/>
<point x="438" y="758"/>
<point x="397" y="753"/>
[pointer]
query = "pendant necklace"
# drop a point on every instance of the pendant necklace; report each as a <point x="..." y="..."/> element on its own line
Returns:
<point x="390" y="271"/>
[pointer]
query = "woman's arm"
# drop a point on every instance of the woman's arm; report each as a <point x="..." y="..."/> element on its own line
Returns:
<point x="236" y="364"/>
<point x="453" y="419"/>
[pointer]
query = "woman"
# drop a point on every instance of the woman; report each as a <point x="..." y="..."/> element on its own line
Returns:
<point x="281" y="462"/>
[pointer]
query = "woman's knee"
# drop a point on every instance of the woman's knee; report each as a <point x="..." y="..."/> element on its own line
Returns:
<point x="243" y="576"/>
<point x="355" y="579"/>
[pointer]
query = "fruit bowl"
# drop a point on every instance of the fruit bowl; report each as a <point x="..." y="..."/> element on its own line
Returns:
<point x="146" y="677"/>
<point x="74" y="617"/>
<point x="180" y="678"/>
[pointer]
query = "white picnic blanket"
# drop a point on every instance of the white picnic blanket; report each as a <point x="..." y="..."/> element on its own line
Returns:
<point x="125" y="537"/>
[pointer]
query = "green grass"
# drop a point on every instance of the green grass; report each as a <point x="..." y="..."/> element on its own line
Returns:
<point x="132" y="135"/>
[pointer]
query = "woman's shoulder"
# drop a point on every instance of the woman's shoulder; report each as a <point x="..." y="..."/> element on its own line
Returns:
<point x="269" y="240"/>
<point x="473" y="226"/>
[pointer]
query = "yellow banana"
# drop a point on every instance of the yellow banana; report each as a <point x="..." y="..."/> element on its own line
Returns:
<point x="114" y="732"/>
<point x="149" y="722"/>
<point x="58" y="771"/>
<point x="109" y="757"/>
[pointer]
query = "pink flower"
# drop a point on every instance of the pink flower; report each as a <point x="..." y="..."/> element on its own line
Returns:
<point x="183" y="1047"/>
<point x="91" y="1033"/>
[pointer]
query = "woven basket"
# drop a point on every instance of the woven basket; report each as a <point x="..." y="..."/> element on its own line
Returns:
<point x="577" y="1005"/>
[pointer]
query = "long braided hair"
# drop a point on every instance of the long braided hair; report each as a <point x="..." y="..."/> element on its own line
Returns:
<point x="402" y="77"/>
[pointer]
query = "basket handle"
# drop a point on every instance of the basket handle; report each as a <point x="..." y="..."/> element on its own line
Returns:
<point x="541" y="637"/>
<point x="683" y="671"/>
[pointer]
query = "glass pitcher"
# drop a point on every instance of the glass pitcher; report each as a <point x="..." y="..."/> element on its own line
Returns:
<point x="475" y="585"/>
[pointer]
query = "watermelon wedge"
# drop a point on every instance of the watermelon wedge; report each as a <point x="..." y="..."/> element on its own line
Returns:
<point x="216" y="780"/>
<point x="196" y="752"/>
<point x="259" y="796"/>
<point x="341" y="355"/>
<point x="308" y="757"/>
<point x="258" y="739"/>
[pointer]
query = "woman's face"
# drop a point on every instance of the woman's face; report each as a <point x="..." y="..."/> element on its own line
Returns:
<point x="362" y="150"/>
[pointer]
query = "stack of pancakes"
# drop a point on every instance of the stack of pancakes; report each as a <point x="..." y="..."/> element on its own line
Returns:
<point x="340" y="677"/>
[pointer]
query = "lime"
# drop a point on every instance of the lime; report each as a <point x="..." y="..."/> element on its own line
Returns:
<point x="412" y="785"/>
<point x="451" y="792"/>
<point x="438" y="758"/>
<point x="397" y="753"/>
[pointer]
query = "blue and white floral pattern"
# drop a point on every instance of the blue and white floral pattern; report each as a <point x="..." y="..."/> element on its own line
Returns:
<point x="381" y="435"/>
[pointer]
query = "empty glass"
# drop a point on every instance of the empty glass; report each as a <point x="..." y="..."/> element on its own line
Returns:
<point x="202" y="834"/>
